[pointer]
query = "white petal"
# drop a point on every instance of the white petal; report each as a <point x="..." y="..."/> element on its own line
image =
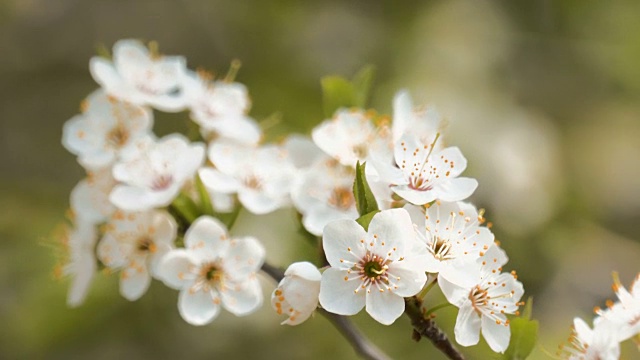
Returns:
<point x="243" y="299"/>
<point x="244" y="257"/>
<point x="456" y="189"/>
<point x="110" y="252"/>
<point x="385" y="307"/>
<point x="304" y="270"/>
<point x="174" y="269"/>
<point x="455" y="294"/>
<point x="449" y="162"/>
<point x="197" y="308"/>
<point x="415" y="197"/>
<point x="412" y="276"/>
<point x="467" y="329"/>
<point x="258" y="202"/>
<point x="240" y="128"/>
<point x="84" y="269"/>
<point x="497" y="335"/>
<point x="341" y="240"/>
<point x="402" y="113"/>
<point x="165" y="228"/>
<point x="392" y="229"/>
<point x="217" y="181"/>
<point x="338" y="296"/>
<point x="301" y="150"/>
<point x="134" y="282"/>
<point x="105" y="74"/>
<point x="319" y="216"/>
<point x="132" y="198"/>
<point x="207" y="234"/>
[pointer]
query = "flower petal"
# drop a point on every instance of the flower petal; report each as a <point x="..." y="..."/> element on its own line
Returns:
<point x="467" y="329"/>
<point x="244" y="257"/>
<point x="341" y="241"/>
<point x="497" y="335"/>
<point x="243" y="299"/>
<point x="391" y="231"/>
<point x="455" y="189"/>
<point x="134" y="282"/>
<point x="338" y="295"/>
<point x="385" y="307"/>
<point x="217" y="181"/>
<point x="198" y="307"/>
<point x="174" y="269"/>
<point x="207" y="234"/>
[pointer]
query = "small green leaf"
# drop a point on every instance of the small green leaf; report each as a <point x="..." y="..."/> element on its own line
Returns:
<point x="103" y="51"/>
<point x="364" y="220"/>
<point x="524" y="335"/>
<point x="362" y="82"/>
<point x="365" y="201"/>
<point x="186" y="208"/>
<point x="205" y="201"/>
<point x="337" y="92"/>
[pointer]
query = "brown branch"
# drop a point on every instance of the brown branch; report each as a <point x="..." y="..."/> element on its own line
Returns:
<point x="363" y="347"/>
<point x="426" y="327"/>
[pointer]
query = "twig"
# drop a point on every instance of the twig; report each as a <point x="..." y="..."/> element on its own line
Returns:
<point x="365" y="348"/>
<point x="426" y="327"/>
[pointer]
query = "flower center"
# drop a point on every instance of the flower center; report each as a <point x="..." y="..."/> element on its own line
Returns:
<point x="361" y="151"/>
<point x="253" y="182"/>
<point x="441" y="249"/>
<point x="419" y="183"/>
<point x="212" y="274"/>
<point x="341" y="198"/>
<point x="146" y="244"/>
<point x="479" y="298"/>
<point x="118" y="136"/>
<point x="373" y="269"/>
<point x="161" y="182"/>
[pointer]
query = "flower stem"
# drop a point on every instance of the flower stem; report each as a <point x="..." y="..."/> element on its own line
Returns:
<point x="424" y="291"/>
<point x="363" y="347"/>
<point x="186" y="207"/>
<point x="436" y="308"/>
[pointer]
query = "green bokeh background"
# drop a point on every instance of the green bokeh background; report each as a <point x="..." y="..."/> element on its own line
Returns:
<point x="542" y="96"/>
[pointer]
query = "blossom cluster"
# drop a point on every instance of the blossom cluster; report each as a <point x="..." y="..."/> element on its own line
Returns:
<point x="152" y="207"/>
<point x="617" y="323"/>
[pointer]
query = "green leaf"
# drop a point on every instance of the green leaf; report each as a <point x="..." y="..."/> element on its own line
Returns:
<point x="205" y="201"/>
<point x="337" y="92"/>
<point x="364" y="220"/>
<point x="362" y="82"/>
<point x="524" y="335"/>
<point x="365" y="201"/>
<point x="186" y="208"/>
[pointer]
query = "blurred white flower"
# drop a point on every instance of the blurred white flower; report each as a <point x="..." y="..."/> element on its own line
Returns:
<point x="351" y="136"/>
<point x="324" y="193"/>
<point x="214" y="270"/>
<point x="423" y="175"/>
<point x="424" y="123"/>
<point x="80" y="264"/>
<point x="135" y="243"/>
<point x="154" y="177"/>
<point x="221" y="107"/>
<point x="375" y="268"/>
<point x="453" y="237"/>
<point x="108" y="129"/>
<point x="484" y="301"/>
<point x="90" y="197"/>
<point x="262" y="177"/>
<point x="141" y="76"/>
<point x="599" y="343"/>
<point x="297" y="294"/>
<point x="625" y="312"/>
<point x="303" y="152"/>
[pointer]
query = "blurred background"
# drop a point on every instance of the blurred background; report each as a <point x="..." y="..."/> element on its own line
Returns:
<point x="542" y="96"/>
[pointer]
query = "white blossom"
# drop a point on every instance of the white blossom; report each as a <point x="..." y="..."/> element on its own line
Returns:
<point x="213" y="271"/>
<point x="626" y="311"/>
<point x="324" y="193"/>
<point x="484" y="301"/>
<point x="90" y="197"/>
<point x="221" y="107"/>
<point x="134" y="243"/>
<point x="422" y="175"/>
<point x="154" y="178"/>
<point x="297" y="293"/>
<point x="425" y="123"/>
<point x="453" y="237"/>
<point x="599" y="343"/>
<point x="141" y="76"/>
<point x="351" y="136"/>
<point x="80" y="263"/>
<point x="108" y="129"/>
<point x="375" y="268"/>
<point x="262" y="177"/>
